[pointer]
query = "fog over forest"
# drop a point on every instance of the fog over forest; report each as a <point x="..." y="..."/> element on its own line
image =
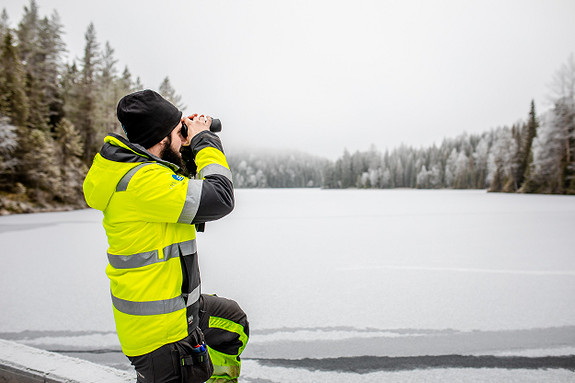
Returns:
<point x="55" y="113"/>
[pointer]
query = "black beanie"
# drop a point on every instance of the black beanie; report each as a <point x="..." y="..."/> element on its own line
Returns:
<point x="147" y="117"/>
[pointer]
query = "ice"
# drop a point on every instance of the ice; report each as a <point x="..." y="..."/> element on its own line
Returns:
<point x="389" y="259"/>
<point x="290" y="375"/>
<point x="331" y="272"/>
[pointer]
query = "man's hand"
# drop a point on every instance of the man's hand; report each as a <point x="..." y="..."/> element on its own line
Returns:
<point x="196" y="124"/>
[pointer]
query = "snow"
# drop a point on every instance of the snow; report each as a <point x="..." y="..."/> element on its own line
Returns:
<point x="83" y="342"/>
<point x="539" y="352"/>
<point x="55" y="365"/>
<point x="330" y="273"/>
<point x="326" y="334"/>
<point x="294" y="375"/>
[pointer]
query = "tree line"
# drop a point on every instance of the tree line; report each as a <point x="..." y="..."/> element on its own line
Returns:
<point x="54" y="114"/>
<point x="536" y="155"/>
<point x="285" y="169"/>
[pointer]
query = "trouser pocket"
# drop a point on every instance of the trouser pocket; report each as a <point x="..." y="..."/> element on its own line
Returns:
<point x="194" y="359"/>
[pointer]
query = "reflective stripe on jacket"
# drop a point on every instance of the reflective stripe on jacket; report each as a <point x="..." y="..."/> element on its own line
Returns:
<point x="149" y="216"/>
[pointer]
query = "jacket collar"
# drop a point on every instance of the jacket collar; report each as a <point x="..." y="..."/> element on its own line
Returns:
<point x="117" y="148"/>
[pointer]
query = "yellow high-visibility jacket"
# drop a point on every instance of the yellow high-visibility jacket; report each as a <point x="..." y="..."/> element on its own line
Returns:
<point x="149" y="215"/>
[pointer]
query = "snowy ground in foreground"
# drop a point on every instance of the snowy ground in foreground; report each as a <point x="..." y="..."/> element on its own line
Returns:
<point x="328" y="274"/>
<point x="259" y="374"/>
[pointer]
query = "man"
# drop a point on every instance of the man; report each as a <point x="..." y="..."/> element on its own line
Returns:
<point x="150" y="212"/>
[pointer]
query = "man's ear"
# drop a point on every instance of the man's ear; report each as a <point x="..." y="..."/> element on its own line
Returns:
<point x="166" y="141"/>
<point x="157" y="148"/>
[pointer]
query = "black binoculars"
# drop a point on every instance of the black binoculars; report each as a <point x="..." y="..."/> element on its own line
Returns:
<point x="215" y="126"/>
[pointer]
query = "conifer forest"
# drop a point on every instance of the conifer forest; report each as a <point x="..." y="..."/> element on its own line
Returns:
<point x="54" y="115"/>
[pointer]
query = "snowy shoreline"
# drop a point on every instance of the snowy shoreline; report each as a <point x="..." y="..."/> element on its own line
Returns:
<point x="31" y="365"/>
<point x="354" y="350"/>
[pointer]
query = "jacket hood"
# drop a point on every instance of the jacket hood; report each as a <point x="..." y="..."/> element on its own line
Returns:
<point x="114" y="160"/>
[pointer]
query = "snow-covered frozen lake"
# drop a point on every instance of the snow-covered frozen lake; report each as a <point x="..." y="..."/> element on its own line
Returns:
<point x="329" y="274"/>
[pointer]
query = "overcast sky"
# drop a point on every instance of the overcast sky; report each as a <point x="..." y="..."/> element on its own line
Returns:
<point x="321" y="76"/>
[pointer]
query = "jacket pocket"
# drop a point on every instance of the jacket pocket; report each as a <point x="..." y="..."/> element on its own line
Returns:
<point x="194" y="359"/>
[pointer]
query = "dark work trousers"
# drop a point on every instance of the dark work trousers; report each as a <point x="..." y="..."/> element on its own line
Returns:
<point x="226" y="330"/>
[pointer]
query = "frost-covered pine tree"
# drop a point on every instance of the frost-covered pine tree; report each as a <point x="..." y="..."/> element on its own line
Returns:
<point x="553" y="163"/>
<point x="50" y="67"/>
<point x="169" y="93"/>
<point x="8" y="145"/>
<point x="544" y="174"/>
<point x="461" y="171"/>
<point x="343" y="170"/>
<point x="72" y="170"/>
<point x="529" y="132"/>
<point x="563" y="87"/>
<point x="126" y="84"/>
<point x="501" y="160"/>
<point x="110" y="89"/>
<point x="40" y="167"/>
<point x="138" y="85"/>
<point x="451" y="168"/>
<point x="481" y="158"/>
<point x="386" y="178"/>
<point x="4" y="24"/>
<point x="71" y="92"/>
<point x="27" y="33"/>
<point x="32" y="55"/>
<point x="89" y="92"/>
<point x="565" y="119"/>
<point x="13" y="99"/>
<point x="553" y="167"/>
<point x="374" y="175"/>
<point x="423" y="178"/>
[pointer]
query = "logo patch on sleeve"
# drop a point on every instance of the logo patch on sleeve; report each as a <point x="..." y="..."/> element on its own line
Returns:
<point x="177" y="177"/>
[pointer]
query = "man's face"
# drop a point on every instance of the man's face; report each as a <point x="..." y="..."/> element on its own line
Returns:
<point x="177" y="139"/>
<point x="172" y="146"/>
